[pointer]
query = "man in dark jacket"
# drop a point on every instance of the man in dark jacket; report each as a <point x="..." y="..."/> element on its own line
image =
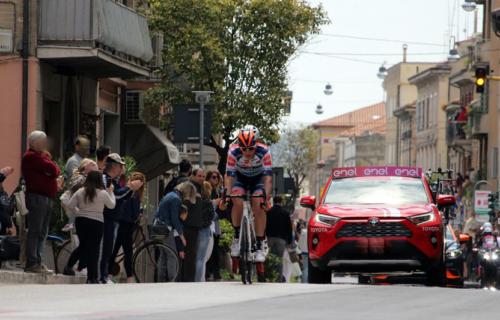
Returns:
<point x="192" y="226"/>
<point x="185" y="170"/>
<point x="278" y="230"/>
<point x="112" y="171"/>
<point x="43" y="181"/>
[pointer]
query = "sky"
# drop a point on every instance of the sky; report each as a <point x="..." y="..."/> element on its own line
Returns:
<point x="355" y="84"/>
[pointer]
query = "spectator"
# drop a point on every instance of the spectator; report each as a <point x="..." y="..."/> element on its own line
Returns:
<point x="75" y="182"/>
<point x="278" y="230"/>
<point x="205" y="236"/>
<point x="129" y="214"/>
<point x="185" y="170"/>
<point x="43" y="181"/>
<point x="82" y="148"/>
<point x="213" y="264"/>
<point x="192" y="226"/>
<point x="171" y="212"/>
<point x="302" y="243"/>
<point x="113" y="170"/>
<point x="6" y="208"/>
<point x="88" y="204"/>
<point x="101" y="153"/>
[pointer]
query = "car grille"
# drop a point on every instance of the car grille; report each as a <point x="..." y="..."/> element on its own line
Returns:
<point x="383" y="229"/>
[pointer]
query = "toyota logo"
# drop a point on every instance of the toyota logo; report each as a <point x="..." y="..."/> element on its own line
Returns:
<point x="373" y="221"/>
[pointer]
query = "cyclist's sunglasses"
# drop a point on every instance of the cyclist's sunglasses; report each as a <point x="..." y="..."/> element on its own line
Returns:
<point x="248" y="149"/>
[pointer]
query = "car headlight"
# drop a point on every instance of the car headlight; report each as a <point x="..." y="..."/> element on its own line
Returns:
<point x="487" y="256"/>
<point x="423" y="218"/>
<point x="327" y="220"/>
<point x="453" y="253"/>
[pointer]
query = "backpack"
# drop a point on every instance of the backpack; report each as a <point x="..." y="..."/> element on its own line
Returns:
<point x="10" y="248"/>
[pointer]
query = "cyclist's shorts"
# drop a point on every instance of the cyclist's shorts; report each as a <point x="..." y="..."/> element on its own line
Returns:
<point x="243" y="184"/>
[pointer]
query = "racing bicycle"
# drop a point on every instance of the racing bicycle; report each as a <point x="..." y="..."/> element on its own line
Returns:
<point x="248" y="242"/>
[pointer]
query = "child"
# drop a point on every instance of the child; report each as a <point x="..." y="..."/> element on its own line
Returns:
<point x="180" y="242"/>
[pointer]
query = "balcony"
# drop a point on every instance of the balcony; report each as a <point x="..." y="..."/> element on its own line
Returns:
<point x="98" y="38"/>
<point x="456" y="133"/>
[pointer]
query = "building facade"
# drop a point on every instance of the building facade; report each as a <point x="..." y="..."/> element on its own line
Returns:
<point x="399" y="93"/>
<point x="73" y="67"/>
<point x="430" y="118"/>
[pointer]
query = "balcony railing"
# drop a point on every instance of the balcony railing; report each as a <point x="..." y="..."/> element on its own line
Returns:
<point x="106" y="25"/>
<point x="455" y="132"/>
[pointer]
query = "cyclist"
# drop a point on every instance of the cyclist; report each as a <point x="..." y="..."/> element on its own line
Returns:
<point x="249" y="168"/>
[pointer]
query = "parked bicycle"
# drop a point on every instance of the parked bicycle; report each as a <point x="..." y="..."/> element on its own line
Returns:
<point x="154" y="259"/>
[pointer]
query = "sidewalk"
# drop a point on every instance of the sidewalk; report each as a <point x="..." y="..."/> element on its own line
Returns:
<point x="10" y="274"/>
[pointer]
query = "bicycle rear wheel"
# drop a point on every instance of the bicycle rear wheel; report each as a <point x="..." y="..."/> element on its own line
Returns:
<point x="245" y="253"/>
<point x="155" y="262"/>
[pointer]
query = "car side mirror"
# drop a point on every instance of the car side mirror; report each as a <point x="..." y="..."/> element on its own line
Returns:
<point x="308" y="202"/>
<point x="445" y="200"/>
<point x="464" y="238"/>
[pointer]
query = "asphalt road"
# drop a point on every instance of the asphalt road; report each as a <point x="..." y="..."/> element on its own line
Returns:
<point x="237" y="302"/>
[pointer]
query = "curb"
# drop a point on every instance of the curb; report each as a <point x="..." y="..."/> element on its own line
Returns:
<point x="20" y="277"/>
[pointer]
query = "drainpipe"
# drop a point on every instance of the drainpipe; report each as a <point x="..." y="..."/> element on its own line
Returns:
<point x="25" y="56"/>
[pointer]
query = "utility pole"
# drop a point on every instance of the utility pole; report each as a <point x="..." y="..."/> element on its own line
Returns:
<point x="202" y="97"/>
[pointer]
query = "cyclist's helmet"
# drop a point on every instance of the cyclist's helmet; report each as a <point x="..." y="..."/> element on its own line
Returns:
<point x="487" y="228"/>
<point x="254" y="129"/>
<point x="247" y="137"/>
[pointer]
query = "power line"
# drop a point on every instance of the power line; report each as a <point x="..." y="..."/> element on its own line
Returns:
<point x="344" y="58"/>
<point x="380" y="39"/>
<point x="372" y="54"/>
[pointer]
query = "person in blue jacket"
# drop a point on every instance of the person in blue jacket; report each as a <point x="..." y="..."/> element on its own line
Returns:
<point x="171" y="211"/>
<point x="128" y="219"/>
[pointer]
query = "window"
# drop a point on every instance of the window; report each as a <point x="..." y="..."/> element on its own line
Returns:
<point x="133" y="105"/>
<point x="377" y="190"/>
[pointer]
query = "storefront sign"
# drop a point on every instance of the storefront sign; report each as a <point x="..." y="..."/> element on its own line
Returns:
<point x="481" y="202"/>
<point x="5" y="41"/>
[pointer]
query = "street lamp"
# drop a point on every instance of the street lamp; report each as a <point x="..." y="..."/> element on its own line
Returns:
<point x="382" y="72"/>
<point x="328" y="89"/>
<point x="453" y="56"/>
<point x="319" y="109"/>
<point x="202" y="97"/>
<point x="469" y="5"/>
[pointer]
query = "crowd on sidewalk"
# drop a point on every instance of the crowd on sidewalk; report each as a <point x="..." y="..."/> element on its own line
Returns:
<point x="103" y="208"/>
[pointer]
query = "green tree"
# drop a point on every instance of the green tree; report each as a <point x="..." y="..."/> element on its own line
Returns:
<point x="240" y="50"/>
<point x="297" y="152"/>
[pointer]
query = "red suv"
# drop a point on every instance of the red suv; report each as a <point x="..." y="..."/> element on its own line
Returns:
<point x="376" y="220"/>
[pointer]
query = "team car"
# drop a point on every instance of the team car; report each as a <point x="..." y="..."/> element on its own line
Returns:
<point x="376" y="220"/>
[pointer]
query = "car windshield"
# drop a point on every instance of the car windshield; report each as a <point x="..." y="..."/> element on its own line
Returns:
<point x="387" y="190"/>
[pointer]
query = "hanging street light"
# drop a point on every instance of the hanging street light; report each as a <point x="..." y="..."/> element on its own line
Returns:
<point x="453" y="56"/>
<point x="319" y="109"/>
<point x="382" y="72"/>
<point x="328" y="89"/>
<point x="469" y="5"/>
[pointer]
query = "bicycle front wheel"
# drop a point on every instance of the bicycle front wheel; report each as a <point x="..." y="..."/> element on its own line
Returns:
<point x="155" y="262"/>
<point x="245" y="252"/>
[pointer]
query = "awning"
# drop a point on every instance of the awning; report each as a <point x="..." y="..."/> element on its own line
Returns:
<point x="153" y="152"/>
